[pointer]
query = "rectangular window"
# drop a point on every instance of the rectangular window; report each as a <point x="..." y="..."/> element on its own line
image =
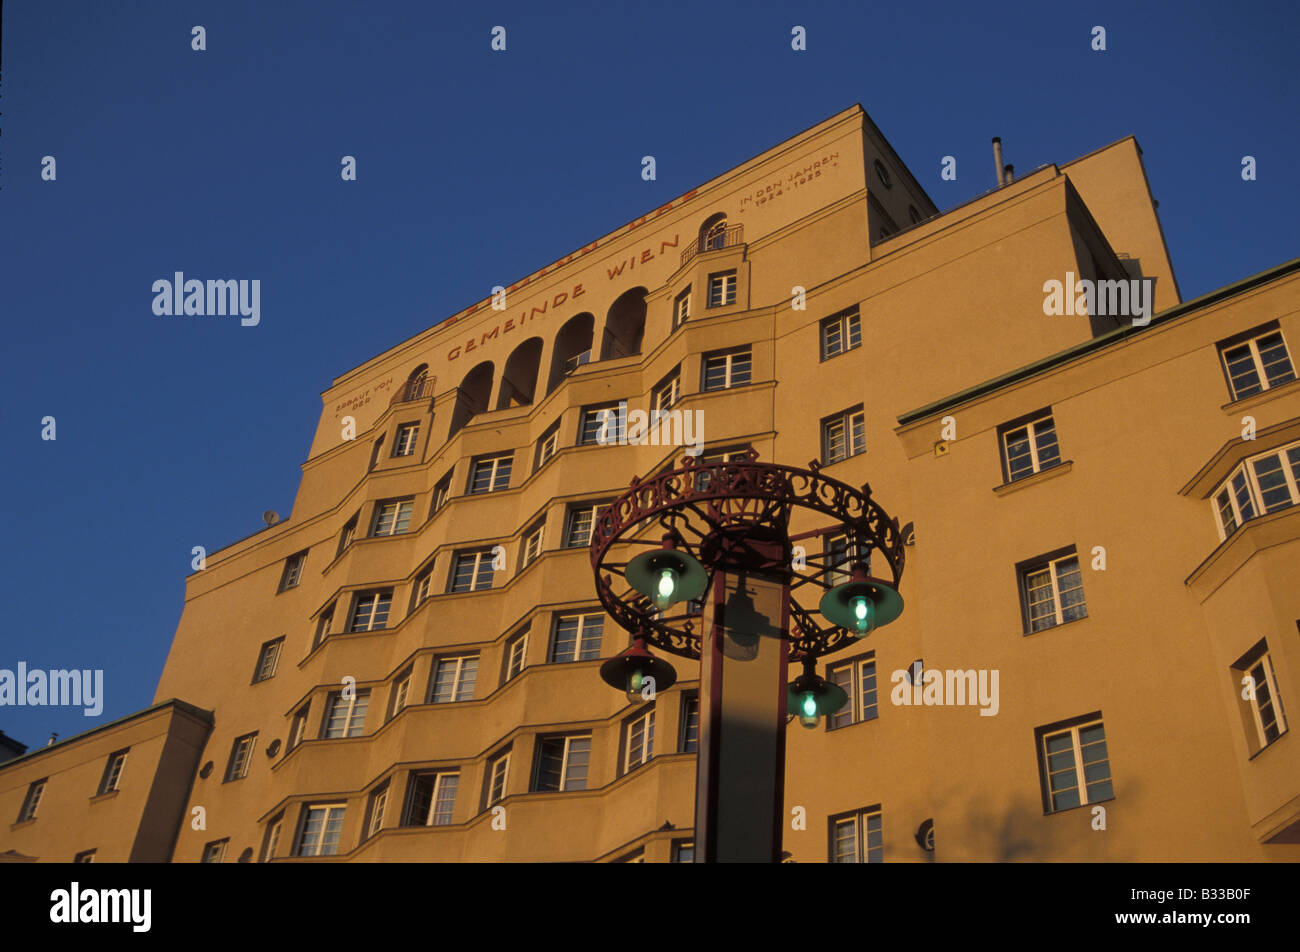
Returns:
<point x="1257" y="486"/>
<point x="370" y="610"/>
<point x="841" y="332"/>
<point x="401" y="694"/>
<point x="272" y="838"/>
<point x="681" y="308"/>
<point x="215" y="852"/>
<point x="298" y="729"/>
<point x="722" y="288"/>
<point x="291" y="575"/>
<point x="85" y="856"/>
<point x="323" y="626"/>
<point x="683" y="851"/>
<point x="1052" y="592"/>
<point x="666" y="392"/>
<point x="471" y="571"/>
<point x="577" y="637"/>
<point x="392" y="516"/>
<point x="1253" y="674"/>
<point x="839" y="554"/>
<point x="241" y="755"/>
<point x="717" y="456"/>
<point x="375" y="811"/>
<point x="374" y="454"/>
<point x="582" y="519"/>
<point x="601" y="424"/>
<point x="454" y="679"/>
<point x="346" y="536"/>
<point x="1028" y="448"/>
<point x="858" y="679"/>
<point x="407" y="434"/>
<point x="726" y="368"/>
<point x="112" y="772"/>
<point x="516" y="655"/>
<point x="441" y="493"/>
<point x="432" y="799"/>
<point x="268" y="660"/>
<point x="562" y="763"/>
<point x="497" y="774"/>
<point x="638" y="740"/>
<point x="548" y="445"/>
<point x="1074" y="765"/>
<point x="31" y="801"/>
<point x="420" y="589"/>
<point x="346" y="716"/>
<point x="689" y="739"/>
<point x="491" y="474"/>
<point x="858" y="837"/>
<point x="532" y="545"/>
<point x="844" y="435"/>
<point x="321" y="827"/>
<point x="1256" y="364"/>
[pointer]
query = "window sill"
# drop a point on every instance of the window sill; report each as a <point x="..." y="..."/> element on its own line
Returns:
<point x="1081" y="806"/>
<point x="1270" y="745"/>
<point x="101" y="797"/>
<point x="1064" y="624"/>
<point x="1059" y="469"/>
<point x="1264" y="396"/>
<point x="22" y="823"/>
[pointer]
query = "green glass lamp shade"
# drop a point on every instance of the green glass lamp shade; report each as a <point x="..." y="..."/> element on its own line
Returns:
<point x="667" y="576"/>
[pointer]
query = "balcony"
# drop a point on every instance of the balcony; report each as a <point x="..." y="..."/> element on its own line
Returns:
<point x="723" y="238"/>
<point x="421" y="388"/>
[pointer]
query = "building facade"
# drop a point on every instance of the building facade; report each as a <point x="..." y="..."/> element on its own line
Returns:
<point x="1100" y="634"/>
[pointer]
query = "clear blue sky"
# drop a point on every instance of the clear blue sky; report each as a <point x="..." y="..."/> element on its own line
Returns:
<point x="474" y="168"/>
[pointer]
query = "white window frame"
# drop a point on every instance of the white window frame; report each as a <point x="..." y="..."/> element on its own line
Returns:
<point x="682" y="308"/>
<point x="272" y="839"/>
<point x="848" y="326"/>
<point x="113" y="772"/>
<point x="269" y="657"/>
<point x="1244" y="479"/>
<point x="1033" y="430"/>
<point x="498" y="778"/>
<point x="1257" y="362"/>
<point x="516" y="655"/>
<point x="583" y="636"/>
<point x="861" y="823"/>
<point x="354" y="720"/>
<point x="372" y="600"/>
<point x="724" y="284"/>
<point x="292" y="573"/>
<point x="241" y="756"/>
<point x="566" y="756"/>
<point x="375" y="810"/>
<point x="329" y="811"/>
<point x="441" y="780"/>
<point x="464" y="678"/>
<point x="690" y="699"/>
<point x="401" y="694"/>
<point x="1263" y="664"/>
<point x="592" y="425"/>
<point x="423" y="583"/>
<point x="32" y="801"/>
<point x="215" y="852"/>
<point x="407" y="435"/>
<point x="853" y="425"/>
<point x="476" y="559"/>
<point x="548" y="445"/>
<point x="730" y="359"/>
<point x="666" y="393"/>
<point x="573" y="519"/>
<point x="1080" y="778"/>
<point x="441" y="493"/>
<point x="532" y="547"/>
<point x="859" y="670"/>
<point x="499" y="470"/>
<point x="392" y="517"/>
<point x="298" y="726"/>
<point x="1053" y="570"/>
<point x="639" y="730"/>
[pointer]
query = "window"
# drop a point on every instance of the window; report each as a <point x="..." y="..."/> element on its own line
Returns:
<point x="1074" y="766"/>
<point x="1256" y="364"/>
<point x="491" y="473"/>
<point x="1258" y="681"/>
<point x="577" y="637"/>
<point x="689" y="734"/>
<point x="858" y="679"/>
<point x="471" y="571"/>
<point x="636" y="856"/>
<point x="683" y="851"/>
<point x="715" y="236"/>
<point x="432" y="799"/>
<point x="215" y="852"/>
<point x="268" y="660"/>
<point x="324" y="625"/>
<point x="681" y="308"/>
<point x="883" y="174"/>
<point x="516" y="655"/>
<point x="726" y="368"/>
<point x="401" y="694"/>
<point x="666" y="392"/>
<point x="407" y="434"/>
<point x="562" y="763"/>
<point x="31" y="801"/>
<point x="345" y="537"/>
<point x="392" y="516"/>
<point x="1259" y="485"/>
<point x="844" y="435"/>
<point x="548" y="445"/>
<point x="292" y="573"/>
<point x="241" y="755"/>
<point x="717" y="456"/>
<point x="370" y="611"/>
<point x="638" y="740"/>
<point x="1028" y="448"/>
<point x="321" y="826"/>
<point x="722" y="288"/>
<point x="840" y="553"/>
<point x="532" y="547"/>
<point x="298" y="729"/>
<point x="85" y="856"/>
<point x="857" y="838"/>
<point x="601" y="424"/>
<point x="374" y="454"/>
<point x="1052" y="592"/>
<point x="112" y="772"/>
<point x="375" y="811"/>
<point x="420" y="590"/>
<point x="272" y="838"/>
<point x="841" y="332"/>
<point x="441" y="492"/>
<point x="497" y="774"/>
<point x="346" y="716"/>
<point x="454" y="679"/>
<point x="582" y="519"/>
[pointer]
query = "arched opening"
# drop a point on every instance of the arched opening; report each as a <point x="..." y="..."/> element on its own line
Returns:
<point x="472" y="396"/>
<point x="713" y="233"/>
<point x="624" y="325"/>
<point x="572" y="348"/>
<point x="417" y="386"/>
<point x="519" y="379"/>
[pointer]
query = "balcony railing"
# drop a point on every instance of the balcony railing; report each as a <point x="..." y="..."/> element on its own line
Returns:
<point x="420" y="388"/>
<point x="731" y="235"/>
<point x="576" y="361"/>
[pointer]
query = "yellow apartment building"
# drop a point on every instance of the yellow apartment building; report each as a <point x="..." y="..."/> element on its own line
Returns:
<point x="1102" y="512"/>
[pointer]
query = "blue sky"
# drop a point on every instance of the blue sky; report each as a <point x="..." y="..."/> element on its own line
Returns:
<point x="474" y="168"/>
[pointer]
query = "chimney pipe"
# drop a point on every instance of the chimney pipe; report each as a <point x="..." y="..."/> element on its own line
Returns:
<point x="997" y="159"/>
<point x="1010" y="175"/>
